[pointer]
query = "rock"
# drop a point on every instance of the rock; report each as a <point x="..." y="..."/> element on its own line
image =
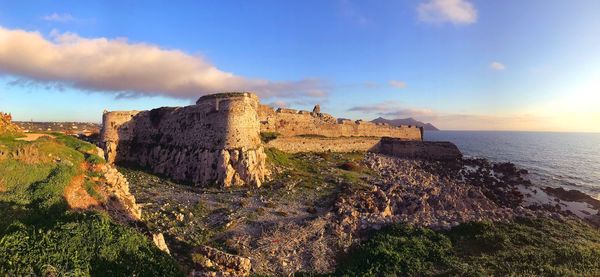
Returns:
<point x="159" y="241"/>
<point x="213" y="262"/>
<point x="120" y="198"/>
<point x="317" y="109"/>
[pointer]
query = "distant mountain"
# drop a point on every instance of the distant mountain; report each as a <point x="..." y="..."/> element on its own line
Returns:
<point x="406" y="121"/>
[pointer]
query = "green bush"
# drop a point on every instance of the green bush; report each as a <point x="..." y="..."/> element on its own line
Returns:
<point x="81" y="244"/>
<point x="94" y="159"/>
<point x="539" y="247"/>
<point x="268" y="136"/>
<point x="402" y="250"/>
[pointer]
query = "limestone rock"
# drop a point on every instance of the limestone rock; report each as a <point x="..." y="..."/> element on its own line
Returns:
<point x="120" y="199"/>
<point x="159" y="241"/>
<point x="317" y="109"/>
<point x="213" y="262"/>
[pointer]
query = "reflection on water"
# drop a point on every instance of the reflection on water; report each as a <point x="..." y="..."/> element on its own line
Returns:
<point x="570" y="160"/>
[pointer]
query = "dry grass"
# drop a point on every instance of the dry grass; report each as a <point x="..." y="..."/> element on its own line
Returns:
<point x="288" y="247"/>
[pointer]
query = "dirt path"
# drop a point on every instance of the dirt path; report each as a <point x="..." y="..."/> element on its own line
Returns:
<point x="77" y="197"/>
<point x="32" y="137"/>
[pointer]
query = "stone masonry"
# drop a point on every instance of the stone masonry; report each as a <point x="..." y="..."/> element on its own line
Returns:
<point x="218" y="140"/>
<point x="215" y="141"/>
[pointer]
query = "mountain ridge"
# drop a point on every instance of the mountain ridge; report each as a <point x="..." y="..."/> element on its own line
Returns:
<point x="406" y="121"/>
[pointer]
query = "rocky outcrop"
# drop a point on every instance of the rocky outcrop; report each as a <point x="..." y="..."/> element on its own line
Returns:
<point x="408" y="192"/>
<point x="120" y="203"/>
<point x="159" y="241"/>
<point x="213" y="262"/>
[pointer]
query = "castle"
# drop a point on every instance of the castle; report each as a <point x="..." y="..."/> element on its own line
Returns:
<point x="218" y="140"/>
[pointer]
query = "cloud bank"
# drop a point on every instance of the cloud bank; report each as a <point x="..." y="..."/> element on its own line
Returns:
<point x="129" y="69"/>
<point x="452" y="11"/>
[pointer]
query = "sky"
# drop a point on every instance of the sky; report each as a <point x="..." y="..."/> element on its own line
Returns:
<point x="460" y="64"/>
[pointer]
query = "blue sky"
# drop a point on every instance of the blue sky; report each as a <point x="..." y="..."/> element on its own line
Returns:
<point x="460" y="64"/>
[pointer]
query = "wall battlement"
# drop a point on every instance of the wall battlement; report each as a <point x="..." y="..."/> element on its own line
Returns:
<point x="288" y="122"/>
<point x="218" y="140"/>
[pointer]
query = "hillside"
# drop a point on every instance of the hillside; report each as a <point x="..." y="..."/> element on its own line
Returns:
<point x="64" y="212"/>
<point x="406" y="121"/>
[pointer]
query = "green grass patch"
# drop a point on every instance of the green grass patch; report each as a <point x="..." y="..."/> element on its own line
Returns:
<point x="89" y="188"/>
<point x="81" y="245"/>
<point x="540" y="247"/>
<point x="314" y="177"/>
<point x="74" y="143"/>
<point x="39" y="236"/>
<point x="94" y="159"/>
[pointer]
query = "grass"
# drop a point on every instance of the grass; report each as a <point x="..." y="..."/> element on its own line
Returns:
<point x="39" y="235"/>
<point x="531" y="247"/>
<point x="314" y="178"/>
<point x="268" y="136"/>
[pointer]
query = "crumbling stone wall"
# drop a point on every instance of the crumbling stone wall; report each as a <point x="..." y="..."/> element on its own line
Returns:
<point x="428" y="150"/>
<point x="325" y="144"/>
<point x="215" y="141"/>
<point x="288" y="122"/>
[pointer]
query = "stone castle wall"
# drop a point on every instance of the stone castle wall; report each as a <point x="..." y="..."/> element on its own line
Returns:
<point x="215" y="141"/>
<point x="288" y="122"/>
<point x="428" y="150"/>
<point x="324" y="144"/>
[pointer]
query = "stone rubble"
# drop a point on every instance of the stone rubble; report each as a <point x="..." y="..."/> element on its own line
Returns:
<point x="213" y="262"/>
<point x="433" y="194"/>
<point x="120" y="202"/>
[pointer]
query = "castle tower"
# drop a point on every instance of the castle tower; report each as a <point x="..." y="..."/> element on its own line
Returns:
<point x="215" y="141"/>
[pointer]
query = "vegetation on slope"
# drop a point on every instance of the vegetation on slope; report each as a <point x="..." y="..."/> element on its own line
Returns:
<point x="39" y="235"/>
<point x="545" y="247"/>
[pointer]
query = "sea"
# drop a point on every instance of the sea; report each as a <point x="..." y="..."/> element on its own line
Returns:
<point x="568" y="160"/>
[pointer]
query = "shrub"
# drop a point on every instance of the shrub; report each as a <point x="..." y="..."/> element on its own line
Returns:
<point x="400" y="249"/>
<point x="268" y="136"/>
<point x="81" y="244"/>
<point x="530" y="247"/>
<point x="350" y="166"/>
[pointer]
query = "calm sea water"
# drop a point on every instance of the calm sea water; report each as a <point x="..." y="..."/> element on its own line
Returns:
<point x="569" y="160"/>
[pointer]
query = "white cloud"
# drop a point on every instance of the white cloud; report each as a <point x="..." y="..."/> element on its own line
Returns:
<point x="453" y="11"/>
<point x="129" y="69"/>
<point x="64" y="17"/>
<point x="397" y="84"/>
<point x="497" y="66"/>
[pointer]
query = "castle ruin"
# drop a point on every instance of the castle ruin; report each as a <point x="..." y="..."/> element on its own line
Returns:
<point x="218" y="140"/>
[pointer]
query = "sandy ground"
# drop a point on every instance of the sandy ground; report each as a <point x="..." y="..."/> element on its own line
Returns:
<point x="76" y="195"/>
<point x="32" y="137"/>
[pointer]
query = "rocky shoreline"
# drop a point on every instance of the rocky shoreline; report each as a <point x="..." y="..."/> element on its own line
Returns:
<point x="280" y="229"/>
<point x="441" y="195"/>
